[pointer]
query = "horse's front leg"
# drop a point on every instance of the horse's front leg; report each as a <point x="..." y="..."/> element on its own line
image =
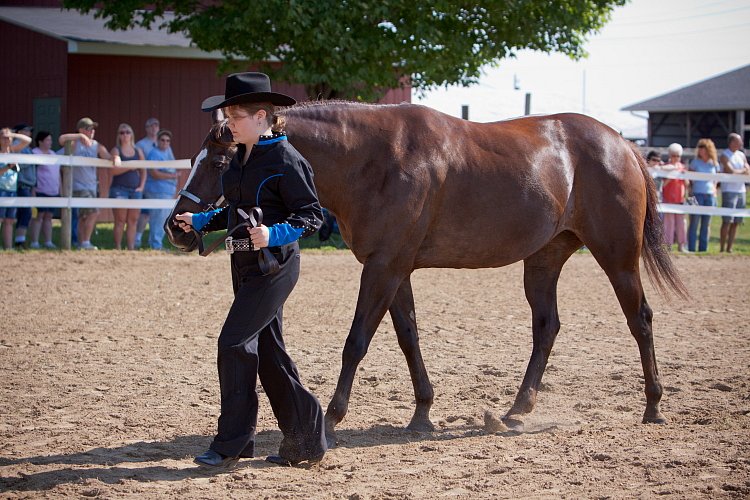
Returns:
<point x="377" y="289"/>
<point x="405" y="323"/>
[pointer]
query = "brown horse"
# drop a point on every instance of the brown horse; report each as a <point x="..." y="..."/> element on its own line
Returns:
<point x="415" y="188"/>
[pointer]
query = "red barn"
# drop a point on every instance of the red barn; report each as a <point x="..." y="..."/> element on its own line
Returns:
<point x="61" y="65"/>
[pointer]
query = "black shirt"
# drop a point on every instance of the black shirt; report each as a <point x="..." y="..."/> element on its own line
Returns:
<point x="276" y="178"/>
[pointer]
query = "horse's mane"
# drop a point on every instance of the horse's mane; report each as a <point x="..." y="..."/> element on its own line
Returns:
<point x="302" y="107"/>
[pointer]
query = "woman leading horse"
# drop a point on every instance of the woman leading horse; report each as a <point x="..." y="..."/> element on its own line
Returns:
<point x="414" y="188"/>
<point x="266" y="172"/>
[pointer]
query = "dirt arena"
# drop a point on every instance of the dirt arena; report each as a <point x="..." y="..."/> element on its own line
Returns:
<point x="109" y="386"/>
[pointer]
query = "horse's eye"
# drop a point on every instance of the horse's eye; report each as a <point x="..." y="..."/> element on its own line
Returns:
<point x="221" y="160"/>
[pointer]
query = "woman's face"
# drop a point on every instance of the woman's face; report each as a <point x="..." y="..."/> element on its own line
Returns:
<point x="702" y="153"/>
<point x="164" y="142"/>
<point x="246" y="128"/>
<point x="126" y="135"/>
<point x="46" y="143"/>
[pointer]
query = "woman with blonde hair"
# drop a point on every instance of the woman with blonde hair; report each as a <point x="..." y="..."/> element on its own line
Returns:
<point x="706" y="162"/>
<point x="127" y="184"/>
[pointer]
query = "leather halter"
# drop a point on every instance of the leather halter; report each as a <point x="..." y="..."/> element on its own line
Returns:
<point x="204" y="205"/>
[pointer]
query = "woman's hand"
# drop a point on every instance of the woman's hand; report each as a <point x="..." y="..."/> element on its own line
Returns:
<point x="259" y="236"/>
<point x="185" y="221"/>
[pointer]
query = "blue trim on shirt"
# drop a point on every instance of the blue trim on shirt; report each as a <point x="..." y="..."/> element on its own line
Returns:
<point x="282" y="234"/>
<point x="266" y="142"/>
<point x="202" y="218"/>
<point x="257" y="195"/>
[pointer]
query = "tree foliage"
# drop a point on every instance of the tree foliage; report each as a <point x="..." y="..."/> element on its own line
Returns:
<point x="359" y="48"/>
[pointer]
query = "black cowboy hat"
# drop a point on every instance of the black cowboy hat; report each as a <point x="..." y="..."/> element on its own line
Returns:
<point x="245" y="88"/>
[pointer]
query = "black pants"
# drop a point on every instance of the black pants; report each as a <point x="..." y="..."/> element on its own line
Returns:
<point x="251" y="347"/>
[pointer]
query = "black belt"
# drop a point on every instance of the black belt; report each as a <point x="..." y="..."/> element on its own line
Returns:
<point x="266" y="260"/>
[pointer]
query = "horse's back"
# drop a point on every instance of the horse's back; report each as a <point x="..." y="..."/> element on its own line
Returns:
<point x="453" y="193"/>
<point x="507" y="188"/>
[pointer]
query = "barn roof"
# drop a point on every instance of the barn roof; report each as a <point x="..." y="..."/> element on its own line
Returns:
<point x="726" y="92"/>
<point x="88" y="35"/>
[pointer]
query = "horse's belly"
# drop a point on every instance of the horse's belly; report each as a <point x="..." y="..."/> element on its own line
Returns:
<point x="475" y="249"/>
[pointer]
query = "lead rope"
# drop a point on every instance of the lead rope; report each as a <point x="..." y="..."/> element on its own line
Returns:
<point x="266" y="260"/>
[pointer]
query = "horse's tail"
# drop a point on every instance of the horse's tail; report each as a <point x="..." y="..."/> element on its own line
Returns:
<point x="661" y="270"/>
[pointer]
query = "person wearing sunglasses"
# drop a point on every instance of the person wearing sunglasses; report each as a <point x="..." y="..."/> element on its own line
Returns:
<point x="704" y="192"/>
<point x="127" y="184"/>
<point x="161" y="185"/>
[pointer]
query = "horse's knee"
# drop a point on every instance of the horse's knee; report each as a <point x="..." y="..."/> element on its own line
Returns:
<point x="545" y="328"/>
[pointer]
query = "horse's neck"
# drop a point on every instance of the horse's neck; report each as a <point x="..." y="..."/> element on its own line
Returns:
<point x="321" y="143"/>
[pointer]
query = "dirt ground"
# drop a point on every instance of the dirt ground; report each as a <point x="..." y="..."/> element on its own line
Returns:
<point x="109" y="387"/>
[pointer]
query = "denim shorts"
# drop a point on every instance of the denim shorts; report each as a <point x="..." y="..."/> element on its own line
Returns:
<point x="125" y="193"/>
<point x="732" y="200"/>
<point x="51" y="210"/>
<point x="7" y="212"/>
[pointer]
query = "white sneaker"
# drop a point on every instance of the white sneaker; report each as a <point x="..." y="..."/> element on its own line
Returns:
<point x="86" y="245"/>
<point x="49" y="245"/>
<point x="34" y="244"/>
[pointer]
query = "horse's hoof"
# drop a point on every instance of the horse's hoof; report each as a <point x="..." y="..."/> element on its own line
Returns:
<point x="331" y="440"/>
<point x="513" y="422"/>
<point x="492" y="424"/>
<point x="656" y="419"/>
<point x="420" y="425"/>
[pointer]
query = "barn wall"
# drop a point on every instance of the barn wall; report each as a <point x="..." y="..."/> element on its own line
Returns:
<point x="687" y="128"/>
<point x="35" y="67"/>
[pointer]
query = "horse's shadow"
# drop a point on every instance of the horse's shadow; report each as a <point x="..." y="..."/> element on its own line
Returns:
<point x="184" y="447"/>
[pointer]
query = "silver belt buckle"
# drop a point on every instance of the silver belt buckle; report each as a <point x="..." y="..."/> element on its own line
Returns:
<point x="229" y="245"/>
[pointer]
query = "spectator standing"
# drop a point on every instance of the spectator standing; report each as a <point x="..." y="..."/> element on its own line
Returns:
<point x="26" y="186"/>
<point x="653" y="163"/>
<point x="733" y="194"/>
<point x="47" y="185"/>
<point x="9" y="181"/>
<point x="161" y="185"/>
<point x="127" y="184"/>
<point x="146" y="145"/>
<point x="85" y="182"/>
<point x="704" y="192"/>
<point x="673" y="191"/>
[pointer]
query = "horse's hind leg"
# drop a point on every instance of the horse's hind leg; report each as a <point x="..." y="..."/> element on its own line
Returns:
<point x="405" y="323"/>
<point x="629" y="291"/>
<point x="540" y="274"/>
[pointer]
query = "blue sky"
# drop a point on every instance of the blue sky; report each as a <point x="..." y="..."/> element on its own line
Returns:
<point x="648" y="48"/>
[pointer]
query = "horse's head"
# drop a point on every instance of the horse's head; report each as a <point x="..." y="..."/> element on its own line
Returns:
<point x="202" y="190"/>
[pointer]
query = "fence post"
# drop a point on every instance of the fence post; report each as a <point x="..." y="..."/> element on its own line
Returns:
<point x="66" y="216"/>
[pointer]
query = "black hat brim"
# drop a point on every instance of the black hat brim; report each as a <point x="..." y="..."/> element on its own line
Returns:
<point x="219" y="101"/>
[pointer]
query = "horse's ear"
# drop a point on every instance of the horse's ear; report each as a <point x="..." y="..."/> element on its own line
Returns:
<point x="217" y="115"/>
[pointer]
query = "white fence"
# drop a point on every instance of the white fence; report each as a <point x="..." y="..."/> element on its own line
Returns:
<point x="670" y="208"/>
<point x="75" y="161"/>
<point x="80" y="161"/>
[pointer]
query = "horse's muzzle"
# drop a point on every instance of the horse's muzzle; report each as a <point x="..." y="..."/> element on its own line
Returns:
<point x="186" y="242"/>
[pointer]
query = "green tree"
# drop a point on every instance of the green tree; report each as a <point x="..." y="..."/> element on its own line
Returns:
<point x="357" y="49"/>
